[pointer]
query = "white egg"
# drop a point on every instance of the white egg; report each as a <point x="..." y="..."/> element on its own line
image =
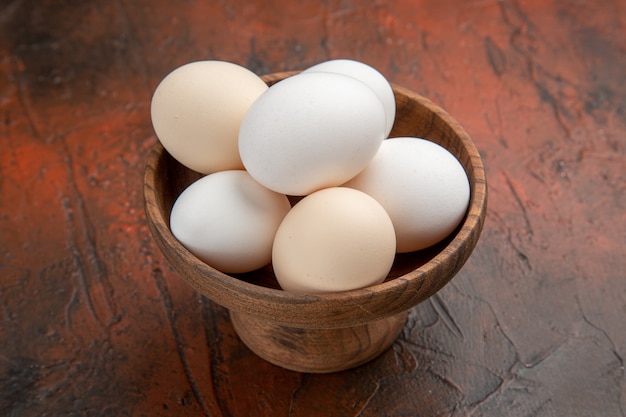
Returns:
<point x="422" y="186"/>
<point x="196" y="111"/>
<point x="228" y="220"/>
<point x="311" y="131"/>
<point x="335" y="239"/>
<point x="368" y="75"/>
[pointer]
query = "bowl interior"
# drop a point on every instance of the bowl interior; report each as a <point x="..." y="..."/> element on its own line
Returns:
<point x="413" y="278"/>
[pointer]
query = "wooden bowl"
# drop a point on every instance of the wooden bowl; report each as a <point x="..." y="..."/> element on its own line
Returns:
<point x="332" y="331"/>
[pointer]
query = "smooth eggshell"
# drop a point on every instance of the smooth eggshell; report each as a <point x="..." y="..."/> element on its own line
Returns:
<point x="228" y="220"/>
<point x="368" y="75"/>
<point x="335" y="239"/>
<point x="311" y="131"/>
<point x="421" y="185"/>
<point x="197" y="109"/>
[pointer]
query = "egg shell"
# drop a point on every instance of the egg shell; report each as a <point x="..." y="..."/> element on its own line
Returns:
<point x="311" y="131"/>
<point x="370" y="76"/>
<point x="228" y="220"/>
<point x="422" y="186"/>
<point x="197" y="109"/>
<point x="335" y="239"/>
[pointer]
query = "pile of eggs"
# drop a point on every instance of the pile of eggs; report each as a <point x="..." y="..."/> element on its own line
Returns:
<point x="321" y="135"/>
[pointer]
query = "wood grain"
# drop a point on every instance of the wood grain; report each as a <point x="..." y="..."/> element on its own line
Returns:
<point x="317" y="350"/>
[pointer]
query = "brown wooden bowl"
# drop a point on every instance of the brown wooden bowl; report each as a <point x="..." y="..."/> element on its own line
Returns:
<point x="331" y="331"/>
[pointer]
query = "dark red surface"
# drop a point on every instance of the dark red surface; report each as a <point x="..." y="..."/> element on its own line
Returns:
<point x="94" y="322"/>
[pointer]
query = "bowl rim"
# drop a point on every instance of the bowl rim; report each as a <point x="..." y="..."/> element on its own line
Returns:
<point x="334" y="309"/>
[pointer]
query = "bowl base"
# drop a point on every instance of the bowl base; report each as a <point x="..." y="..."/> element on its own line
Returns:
<point x="317" y="350"/>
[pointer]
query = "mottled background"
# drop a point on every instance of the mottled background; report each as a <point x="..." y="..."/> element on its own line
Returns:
<point x="94" y="322"/>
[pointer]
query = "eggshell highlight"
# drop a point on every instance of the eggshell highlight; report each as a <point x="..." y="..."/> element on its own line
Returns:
<point x="197" y="109"/>
<point x="335" y="239"/>
<point x="370" y="76"/>
<point x="311" y="131"/>
<point x="228" y="220"/>
<point x="421" y="185"/>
